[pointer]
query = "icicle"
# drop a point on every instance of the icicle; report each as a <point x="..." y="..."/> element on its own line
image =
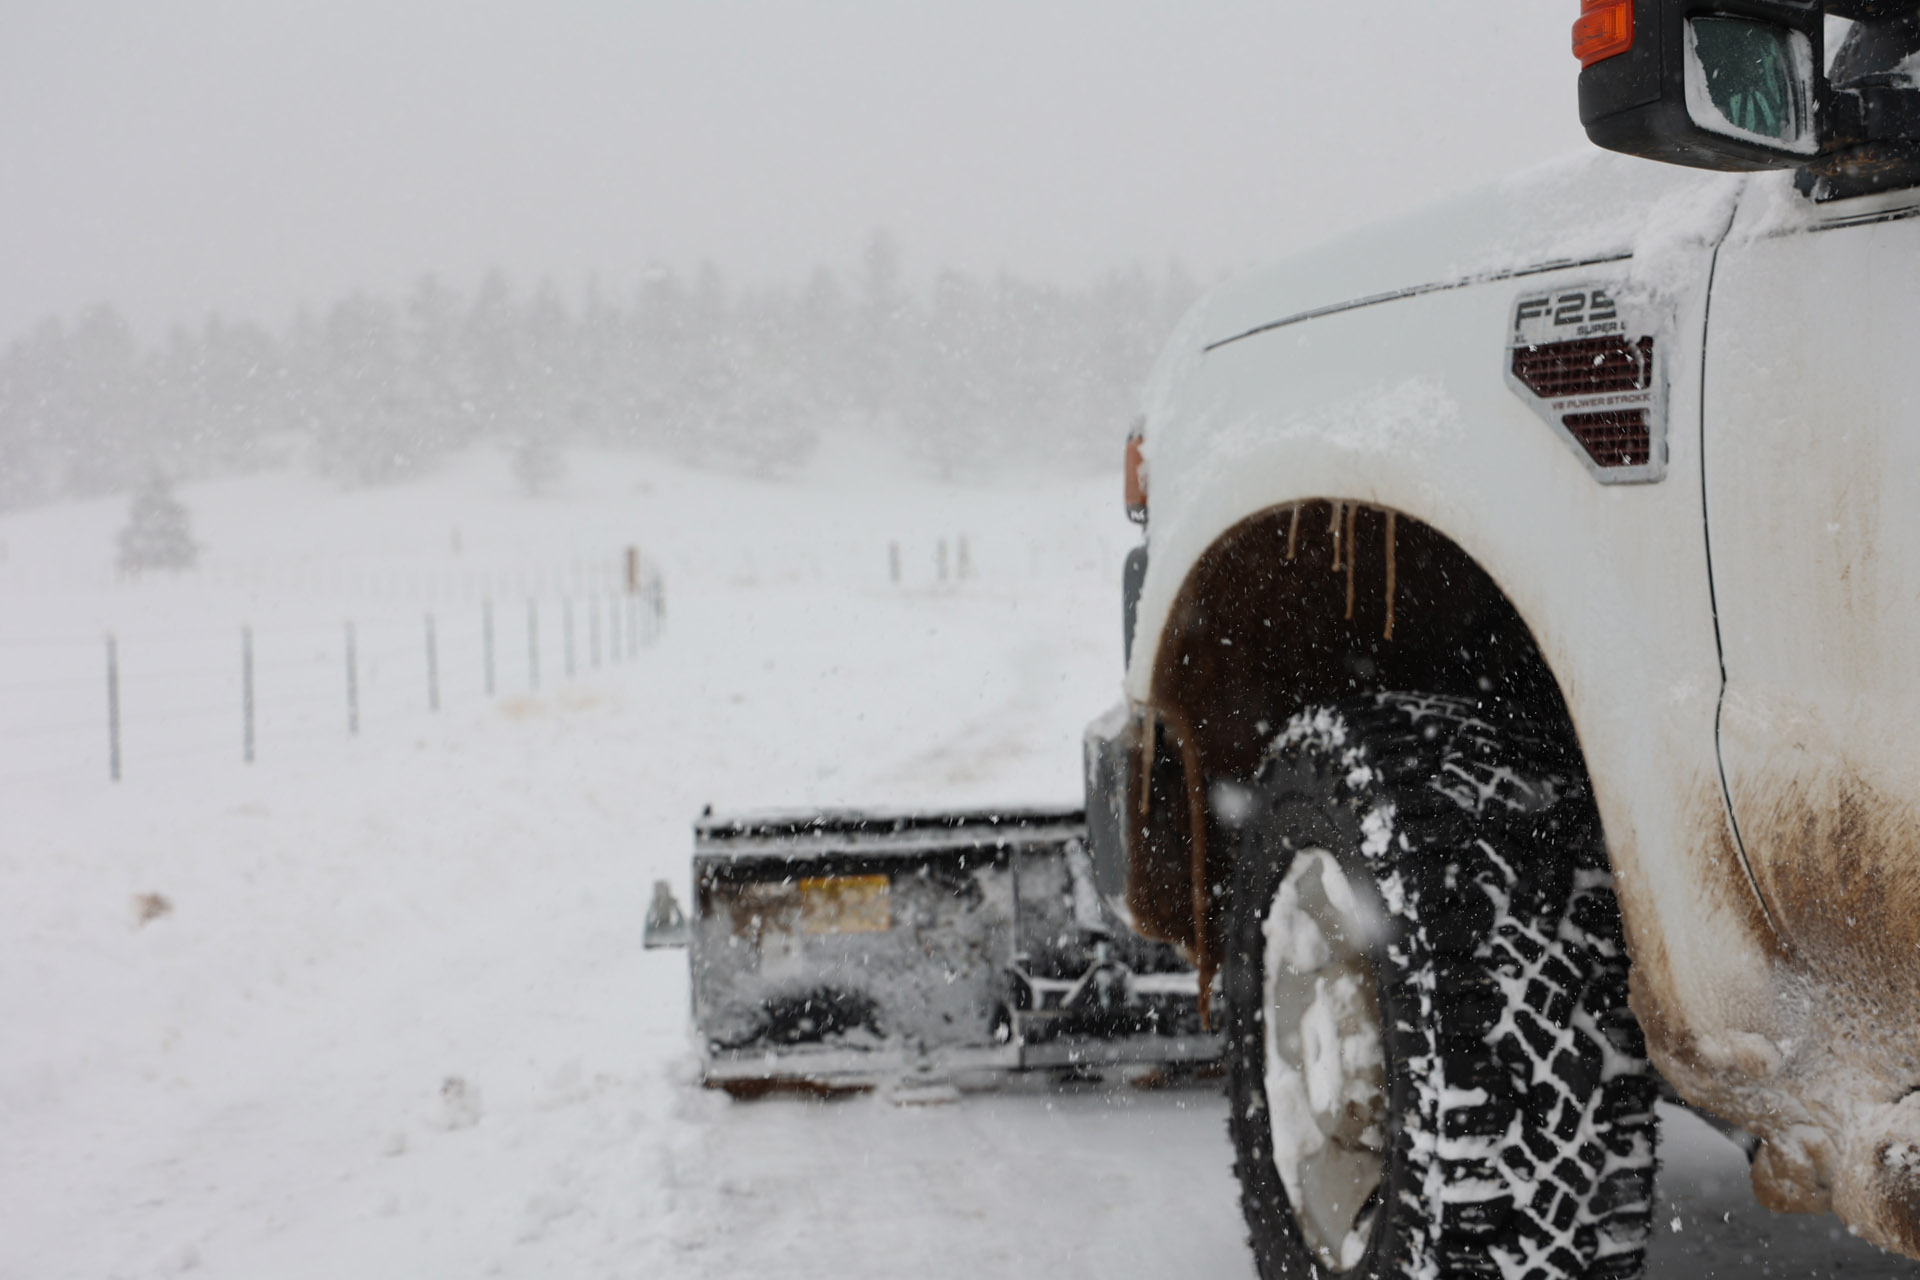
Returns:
<point x="1293" y="532"/>
<point x="1203" y="958"/>
<point x="1148" y="742"/>
<point x="1390" y="576"/>
<point x="1352" y="511"/>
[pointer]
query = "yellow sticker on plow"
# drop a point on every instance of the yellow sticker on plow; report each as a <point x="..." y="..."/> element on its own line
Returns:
<point x="846" y="904"/>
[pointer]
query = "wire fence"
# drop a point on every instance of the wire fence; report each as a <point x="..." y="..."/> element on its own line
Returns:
<point x="119" y="704"/>
<point x="110" y="677"/>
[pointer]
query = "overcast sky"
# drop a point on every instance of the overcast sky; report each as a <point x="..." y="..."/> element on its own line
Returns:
<point x="188" y="157"/>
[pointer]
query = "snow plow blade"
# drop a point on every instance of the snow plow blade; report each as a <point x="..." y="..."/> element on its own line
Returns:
<point x="851" y="949"/>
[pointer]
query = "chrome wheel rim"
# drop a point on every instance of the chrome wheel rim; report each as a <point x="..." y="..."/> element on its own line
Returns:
<point x="1325" y="1056"/>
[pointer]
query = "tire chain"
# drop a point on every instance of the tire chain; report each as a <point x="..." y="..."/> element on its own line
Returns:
<point x="1532" y="1152"/>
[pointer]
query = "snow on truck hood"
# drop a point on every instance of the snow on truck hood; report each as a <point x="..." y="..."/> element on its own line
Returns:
<point x="1588" y="207"/>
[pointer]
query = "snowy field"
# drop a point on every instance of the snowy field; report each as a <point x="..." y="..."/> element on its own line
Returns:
<point x="375" y="1005"/>
<point x="396" y="1019"/>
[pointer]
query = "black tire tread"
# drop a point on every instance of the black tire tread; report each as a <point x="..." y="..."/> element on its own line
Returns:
<point x="1506" y="975"/>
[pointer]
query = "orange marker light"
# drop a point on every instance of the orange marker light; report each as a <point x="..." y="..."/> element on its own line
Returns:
<point x="1603" y="30"/>
<point x="1136" y="482"/>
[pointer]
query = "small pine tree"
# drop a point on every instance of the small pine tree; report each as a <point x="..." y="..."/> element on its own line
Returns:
<point x="158" y="533"/>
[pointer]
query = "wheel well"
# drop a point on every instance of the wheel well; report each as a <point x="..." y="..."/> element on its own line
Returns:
<point x="1309" y="603"/>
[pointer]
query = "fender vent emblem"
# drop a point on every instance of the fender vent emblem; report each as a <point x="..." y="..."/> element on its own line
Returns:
<point x="1585" y="367"/>
<point x="1592" y="368"/>
<point x="1616" y="439"/>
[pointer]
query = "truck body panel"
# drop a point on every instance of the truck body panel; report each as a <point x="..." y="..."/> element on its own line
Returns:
<point x="1812" y="441"/>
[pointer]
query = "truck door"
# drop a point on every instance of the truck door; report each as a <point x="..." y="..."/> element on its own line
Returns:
<point x="1811" y="448"/>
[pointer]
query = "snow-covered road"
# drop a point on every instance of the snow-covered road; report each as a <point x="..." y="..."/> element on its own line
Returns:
<point x="395" y="1020"/>
<point x="1081" y="1181"/>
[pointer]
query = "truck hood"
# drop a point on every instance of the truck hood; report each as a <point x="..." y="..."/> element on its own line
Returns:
<point x="1590" y="207"/>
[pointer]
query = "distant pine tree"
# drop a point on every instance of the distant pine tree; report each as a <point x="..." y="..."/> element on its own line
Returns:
<point x="537" y="463"/>
<point x="159" y="534"/>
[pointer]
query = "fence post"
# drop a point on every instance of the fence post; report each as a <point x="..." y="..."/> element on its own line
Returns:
<point x="533" y="644"/>
<point x="113" y="708"/>
<point x="893" y="563"/>
<point x="963" y="567"/>
<point x="613" y="629"/>
<point x="246" y="694"/>
<point x="940" y="559"/>
<point x="486" y="640"/>
<point x="633" y="637"/>
<point x="353" y="683"/>
<point x="433" y="667"/>
<point x="566" y="618"/>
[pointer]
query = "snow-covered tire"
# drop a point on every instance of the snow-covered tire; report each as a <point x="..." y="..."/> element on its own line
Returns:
<point x="1513" y="1107"/>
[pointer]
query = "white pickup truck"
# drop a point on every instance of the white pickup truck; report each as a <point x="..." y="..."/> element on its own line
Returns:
<point x="1523" y="695"/>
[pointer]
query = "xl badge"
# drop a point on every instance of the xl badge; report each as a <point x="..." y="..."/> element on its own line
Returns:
<point x="1594" y="368"/>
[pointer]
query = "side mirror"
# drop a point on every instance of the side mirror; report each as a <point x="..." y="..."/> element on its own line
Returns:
<point x="1715" y="84"/>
